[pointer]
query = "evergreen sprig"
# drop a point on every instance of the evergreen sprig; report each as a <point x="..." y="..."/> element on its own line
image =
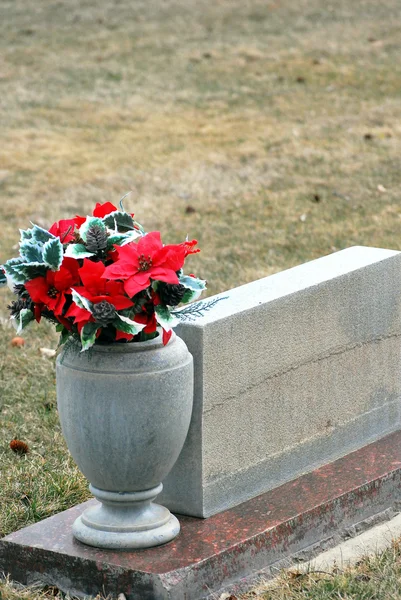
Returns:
<point x="196" y="309"/>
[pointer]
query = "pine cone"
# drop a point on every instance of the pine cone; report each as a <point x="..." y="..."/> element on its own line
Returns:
<point x="96" y="239"/>
<point x="18" y="305"/>
<point x="104" y="312"/>
<point x="171" y="294"/>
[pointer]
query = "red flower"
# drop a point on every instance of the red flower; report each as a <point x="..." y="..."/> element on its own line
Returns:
<point x="166" y="336"/>
<point x="51" y="290"/>
<point x="148" y="259"/>
<point x="189" y="247"/>
<point x="148" y="320"/>
<point x="64" y="229"/>
<point x="96" y="289"/>
<point x="79" y="221"/>
<point x="120" y="335"/>
<point x="102" y="210"/>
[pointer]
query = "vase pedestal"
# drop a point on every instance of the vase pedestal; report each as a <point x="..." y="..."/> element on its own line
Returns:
<point x="125" y="410"/>
<point x="124" y="521"/>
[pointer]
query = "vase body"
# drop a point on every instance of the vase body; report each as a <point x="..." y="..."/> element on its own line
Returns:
<point x="125" y="411"/>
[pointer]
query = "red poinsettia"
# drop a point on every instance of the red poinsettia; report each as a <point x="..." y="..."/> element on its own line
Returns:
<point x="148" y="259"/>
<point x="102" y="210"/>
<point x="190" y="247"/>
<point x="50" y="291"/>
<point x="65" y="228"/>
<point x="149" y="321"/>
<point x="97" y="290"/>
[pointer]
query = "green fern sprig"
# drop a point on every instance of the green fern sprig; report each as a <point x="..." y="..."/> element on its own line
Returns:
<point x="196" y="309"/>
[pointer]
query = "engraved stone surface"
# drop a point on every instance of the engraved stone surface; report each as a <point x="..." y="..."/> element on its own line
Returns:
<point x="291" y="372"/>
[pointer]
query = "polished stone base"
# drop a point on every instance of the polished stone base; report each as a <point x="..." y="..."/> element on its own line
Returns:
<point x="228" y="551"/>
<point x="126" y="521"/>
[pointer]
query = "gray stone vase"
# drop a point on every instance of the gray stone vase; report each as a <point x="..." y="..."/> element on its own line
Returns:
<point x="125" y="411"/>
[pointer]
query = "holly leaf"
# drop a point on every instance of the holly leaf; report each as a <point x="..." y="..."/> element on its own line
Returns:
<point x="25" y="317"/>
<point x="10" y="269"/>
<point x="120" y="239"/>
<point x="41" y="235"/>
<point x="190" y="296"/>
<point x="130" y="236"/>
<point x="53" y="254"/>
<point x="194" y="288"/>
<point x="31" y="270"/>
<point x="26" y="234"/>
<point x="127" y="325"/>
<point x="77" y="251"/>
<point x="119" y="221"/>
<point x="116" y="239"/>
<point x="31" y="251"/>
<point x="90" y="222"/>
<point x="88" y="335"/>
<point x="165" y="318"/>
<point x="193" y="283"/>
<point x="81" y="301"/>
<point x="64" y="334"/>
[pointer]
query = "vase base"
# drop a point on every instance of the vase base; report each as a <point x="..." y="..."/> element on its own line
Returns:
<point x="126" y="521"/>
<point x="129" y="540"/>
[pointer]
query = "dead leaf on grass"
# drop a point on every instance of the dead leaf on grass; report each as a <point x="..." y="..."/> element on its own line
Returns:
<point x="47" y="352"/>
<point x="19" y="447"/>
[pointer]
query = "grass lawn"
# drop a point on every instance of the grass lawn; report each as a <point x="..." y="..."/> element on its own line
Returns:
<point x="268" y="130"/>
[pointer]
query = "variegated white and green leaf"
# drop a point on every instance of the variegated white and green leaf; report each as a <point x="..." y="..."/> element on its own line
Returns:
<point x="77" y="251"/>
<point x="90" y="222"/>
<point x="165" y="318"/>
<point x="130" y="236"/>
<point x="41" y="235"/>
<point x="88" y="335"/>
<point x="118" y="221"/>
<point x="116" y="239"/>
<point x="31" y="270"/>
<point x="64" y="335"/>
<point x="127" y="325"/>
<point x="121" y="239"/>
<point x="190" y="296"/>
<point x="26" y="234"/>
<point x="193" y="283"/>
<point x="53" y="254"/>
<point x="13" y="275"/>
<point x="31" y="251"/>
<point x="81" y="301"/>
<point x="25" y="317"/>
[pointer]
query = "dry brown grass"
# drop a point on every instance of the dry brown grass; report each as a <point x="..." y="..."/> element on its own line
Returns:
<point x="254" y="113"/>
<point x="269" y="130"/>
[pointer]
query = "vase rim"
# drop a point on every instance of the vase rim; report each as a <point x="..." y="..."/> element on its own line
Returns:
<point x="116" y="347"/>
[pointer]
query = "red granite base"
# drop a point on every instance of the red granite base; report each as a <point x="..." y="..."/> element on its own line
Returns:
<point x="224" y="551"/>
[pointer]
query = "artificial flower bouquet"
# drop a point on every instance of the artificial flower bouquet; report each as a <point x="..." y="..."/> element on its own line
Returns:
<point x="102" y="279"/>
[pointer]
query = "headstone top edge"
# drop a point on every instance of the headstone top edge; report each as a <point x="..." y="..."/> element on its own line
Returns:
<point x="290" y="281"/>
